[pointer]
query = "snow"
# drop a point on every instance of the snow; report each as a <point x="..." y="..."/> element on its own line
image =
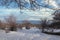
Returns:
<point x="24" y="34"/>
<point x="56" y="30"/>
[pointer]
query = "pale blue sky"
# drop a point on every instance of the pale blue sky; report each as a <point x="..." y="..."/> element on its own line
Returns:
<point x="29" y="14"/>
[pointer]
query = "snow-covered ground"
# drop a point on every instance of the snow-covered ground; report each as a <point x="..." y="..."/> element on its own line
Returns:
<point x="31" y="34"/>
<point x="54" y="30"/>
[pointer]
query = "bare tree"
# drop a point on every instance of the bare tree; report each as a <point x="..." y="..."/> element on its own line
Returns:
<point x="21" y="3"/>
<point x="34" y="4"/>
<point x="27" y="24"/>
<point x="57" y="15"/>
<point x="57" y="18"/>
<point x="11" y="21"/>
<point x="43" y="25"/>
<point x="1" y="24"/>
<point x="20" y="25"/>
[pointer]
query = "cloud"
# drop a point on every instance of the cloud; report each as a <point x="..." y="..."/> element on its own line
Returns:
<point x="27" y="1"/>
<point x="26" y="13"/>
<point x="52" y="3"/>
<point x="38" y="14"/>
<point x="6" y="12"/>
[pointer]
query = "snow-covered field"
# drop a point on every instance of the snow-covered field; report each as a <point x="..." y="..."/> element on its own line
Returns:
<point x="31" y="34"/>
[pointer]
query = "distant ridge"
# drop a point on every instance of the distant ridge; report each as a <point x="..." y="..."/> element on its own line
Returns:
<point x="31" y="21"/>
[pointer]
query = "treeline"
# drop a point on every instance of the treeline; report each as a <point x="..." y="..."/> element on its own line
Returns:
<point x="10" y="22"/>
<point x="55" y="22"/>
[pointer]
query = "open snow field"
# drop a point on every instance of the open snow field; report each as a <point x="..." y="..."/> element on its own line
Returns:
<point x="32" y="34"/>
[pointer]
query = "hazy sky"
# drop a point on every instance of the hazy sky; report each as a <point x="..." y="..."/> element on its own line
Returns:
<point x="29" y="14"/>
